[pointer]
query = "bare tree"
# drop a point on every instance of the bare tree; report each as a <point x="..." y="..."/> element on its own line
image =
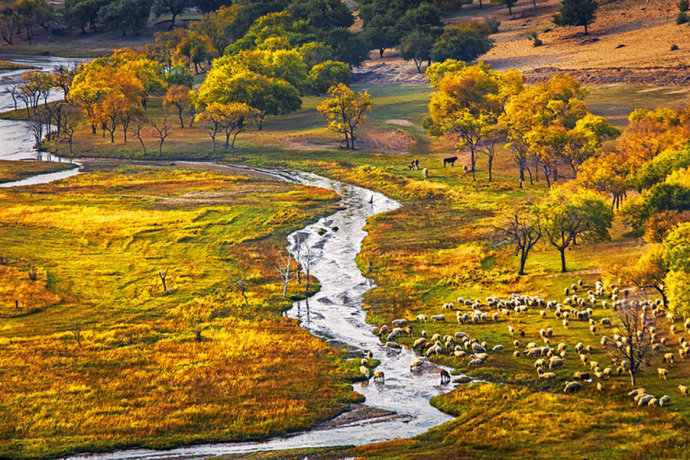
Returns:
<point x="632" y="344"/>
<point x="139" y="124"/>
<point x="75" y="329"/>
<point x="241" y="283"/>
<point x="524" y="234"/>
<point x="306" y="261"/>
<point x="38" y="121"/>
<point x="163" y="274"/>
<point x="68" y="125"/>
<point x="161" y="130"/>
<point x="284" y="268"/>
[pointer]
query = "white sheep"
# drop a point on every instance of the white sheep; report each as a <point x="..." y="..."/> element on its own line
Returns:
<point x="421" y="318"/>
<point x="683" y="390"/>
<point x="572" y="387"/>
<point x="663" y="373"/>
<point x="438" y="318"/>
<point x="664" y="400"/>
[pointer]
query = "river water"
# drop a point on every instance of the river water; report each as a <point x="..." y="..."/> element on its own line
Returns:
<point x="334" y="314"/>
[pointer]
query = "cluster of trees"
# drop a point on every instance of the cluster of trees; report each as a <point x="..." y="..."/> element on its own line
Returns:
<point x="22" y="16"/>
<point x="545" y="126"/>
<point x="415" y="28"/>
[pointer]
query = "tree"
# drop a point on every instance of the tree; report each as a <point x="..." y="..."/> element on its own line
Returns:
<point x="240" y="282"/>
<point x="566" y="215"/>
<point x="508" y="3"/>
<point x="605" y="173"/>
<point x="161" y="130"/>
<point x="284" y="269"/>
<point x="347" y="46"/>
<point x="462" y="44"/>
<point x="649" y="271"/>
<point x="524" y="234"/>
<point x="416" y="46"/>
<point x="126" y="15"/>
<point x="172" y="7"/>
<point x="380" y="33"/>
<point x="576" y="13"/>
<point x="68" y="124"/>
<point x="209" y="6"/>
<point x="346" y="111"/>
<point x="178" y="98"/>
<point x="314" y="53"/>
<point x="467" y="105"/>
<point x="179" y="75"/>
<point x="323" y="14"/>
<point x="327" y="74"/>
<point x="83" y="14"/>
<point x="269" y="95"/>
<point x="633" y="344"/>
<point x="231" y="118"/>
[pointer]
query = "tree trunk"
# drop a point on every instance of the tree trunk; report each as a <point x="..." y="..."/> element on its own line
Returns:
<point x="587" y="33"/>
<point x="523" y="261"/>
<point x="632" y="377"/>
<point x="381" y="50"/>
<point x="181" y="119"/>
<point x="562" y="251"/>
<point x="491" y="160"/>
<point x="234" y="138"/>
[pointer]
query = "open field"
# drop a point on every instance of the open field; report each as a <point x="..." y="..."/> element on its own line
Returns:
<point x="16" y="170"/>
<point x="443" y="243"/>
<point x="134" y="365"/>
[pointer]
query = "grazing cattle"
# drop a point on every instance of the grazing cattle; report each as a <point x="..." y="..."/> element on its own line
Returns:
<point x="445" y="376"/>
<point x="449" y="161"/>
<point x="414" y="164"/>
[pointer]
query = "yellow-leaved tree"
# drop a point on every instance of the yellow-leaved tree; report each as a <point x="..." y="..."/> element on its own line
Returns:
<point x="231" y="118"/>
<point x="346" y="111"/>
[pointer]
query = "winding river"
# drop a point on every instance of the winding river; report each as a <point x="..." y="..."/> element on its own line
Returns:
<point x="334" y="314"/>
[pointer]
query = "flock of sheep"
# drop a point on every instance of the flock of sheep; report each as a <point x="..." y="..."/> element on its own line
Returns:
<point x="548" y="356"/>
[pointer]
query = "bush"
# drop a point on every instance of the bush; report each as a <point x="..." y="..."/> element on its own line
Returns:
<point x="674" y="47"/>
<point x="535" y="38"/>
<point x="683" y="5"/>
<point x="493" y="24"/>
<point x="682" y="18"/>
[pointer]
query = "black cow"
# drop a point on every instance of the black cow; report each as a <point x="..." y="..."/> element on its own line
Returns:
<point x="449" y="160"/>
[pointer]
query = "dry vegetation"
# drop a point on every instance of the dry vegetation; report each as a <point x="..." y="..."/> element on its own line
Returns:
<point x="16" y="170"/>
<point x="121" y="353"/>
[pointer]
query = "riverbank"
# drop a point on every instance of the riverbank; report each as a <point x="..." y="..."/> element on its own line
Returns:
<point x="11" y="171"/>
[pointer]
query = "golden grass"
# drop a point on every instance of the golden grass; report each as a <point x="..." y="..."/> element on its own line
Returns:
<point x="137" y="376"/>
<point x="15" y="170"/>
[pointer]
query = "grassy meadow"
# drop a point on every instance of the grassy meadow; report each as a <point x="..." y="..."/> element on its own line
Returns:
<point x="94" y="355"/>
<point x="443" y="243"/>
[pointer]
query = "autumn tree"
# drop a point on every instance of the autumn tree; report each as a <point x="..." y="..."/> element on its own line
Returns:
<point x="677" y="259"/>
<point x="648" y="271"/>
<point x="524" y="233"/>
<point x="576" y="13"/>
<point x="633" y="344"/>
<point x="178" y="98"/>
<point x="606" y="173"/>
<point x="566" y="215"/>
<point x="346" y="111"/>
<point x="327" y="74"/>
<point x="467" y="105"/>
<point x="161" y="130"/>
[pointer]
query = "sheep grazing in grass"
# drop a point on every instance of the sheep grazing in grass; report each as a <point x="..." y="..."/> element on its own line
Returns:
<point x="582" y="376"/>
<point x="497" y="348"/>
<point x="572" y="387"/>
<point x="673" y="329"/>
<point x="364" y="362"/>
<point x="417" y="365"/>
<point x="593" y="329"/>
<point x="644" y="400"/>
<point x="540" y="363"/>
<point x="477" y="348"/>
<point x="383" y="330"/>
<point x="459" y="354"/>
<point x="419" y="342"/>
<point x="600" y="387"/>
<point x="445" y="376"/>
<point x="604" y="340"/>
<point x="607" y="372"/>
<point x="422" y="318"/>
<point x="588" y="348"/>
<point x="682" y="353"/>
<point x="669" y="358"/>
<point x="475" y="363"/>
<point x="636" y="392"/>
<point x="542" y="313"/>
<point x="584" y="358"/>
<point x="593" y="364"/>
<point x="563" y="354"/>
<point x="436" y="337"/>
<point x="516" y="343"/>
<point x="510" y="329"/>
<point x="392" y="345"/>
<point x="364" y="371"/>
<point x="423" y="333"/>
<point x="516" y="354"/>
<point x="665" y="400"/>
<point x="547" y="376"/>
<point x="565" y="323"/>
<point x="662" y="373"/>
<point x="425" y="173"/>
<point x="683" y="390"/>
<point x="438" y="318"/>
<point x="555" y="363"/>
<point x="370" y="354"/>
<point x="379" y="377"/>
<point x="400" y="322"/>
<point x="494" y="317"/>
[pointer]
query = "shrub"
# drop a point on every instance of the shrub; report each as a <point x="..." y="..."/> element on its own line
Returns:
<point x="494" y="24"/>
<point x="535" y="38"/>
<point x="674" y="47"/>
<point x="682" y="18"/>
<point x="683" y="5"/>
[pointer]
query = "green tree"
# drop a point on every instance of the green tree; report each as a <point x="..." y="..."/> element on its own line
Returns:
<point x="347" y="46"/>
<point x="315" y="53"/>
<point x="126" y="15"/>
<point x="179" y="75"/>
<point x="677" y="257"/>
<point x="576" y="13"/>
<point x="322" y="14"/>
<point x="380" y="33"/>
<point x="325" y="75"/>
<point x="346" y="111"/>
<point x="566" y="215"/>
<point x="209" y="6"/>
<point x="462" y="44"/>
<point x="172" y="7"/>
<point x="416" y="46"/>
<point x="83" y="14"/>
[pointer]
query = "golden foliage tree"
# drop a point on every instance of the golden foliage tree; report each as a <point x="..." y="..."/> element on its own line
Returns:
<point x="346" y="111"/>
